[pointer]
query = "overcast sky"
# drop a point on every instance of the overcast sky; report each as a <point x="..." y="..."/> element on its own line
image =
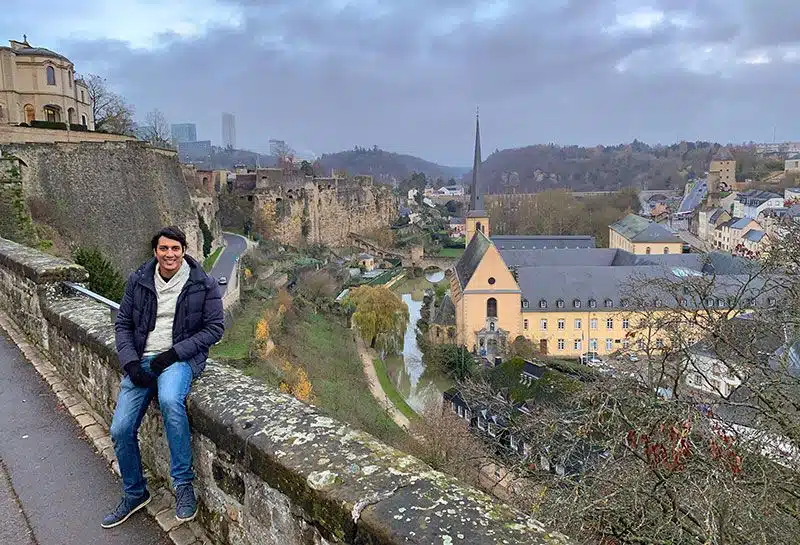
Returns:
<point x="326" y="75"/>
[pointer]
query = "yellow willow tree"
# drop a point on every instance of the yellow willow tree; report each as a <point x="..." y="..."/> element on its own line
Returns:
<point x="380" y="316"/>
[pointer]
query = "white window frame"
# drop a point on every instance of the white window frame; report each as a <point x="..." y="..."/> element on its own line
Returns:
<point x="543" y="324"/>
<point x="593" y="345"/>
<point x="609" y="345"/>
<point x="593" y="323"/>
<point x="578" y="323"/>
<point x="525" y="323"/>
<point x="578" y="344"/>
<point x="609" y="323"/>
<point x="560" y="344"/>
<point x="625" y="323"/>
<point x="562" y="323"/>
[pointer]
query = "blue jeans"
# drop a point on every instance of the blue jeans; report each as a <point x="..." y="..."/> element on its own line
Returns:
<point x="172" y="388"/>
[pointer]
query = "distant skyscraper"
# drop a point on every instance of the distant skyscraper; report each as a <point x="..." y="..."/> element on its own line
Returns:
<point x="184" y="132"/>
<point x="228" y="130"/>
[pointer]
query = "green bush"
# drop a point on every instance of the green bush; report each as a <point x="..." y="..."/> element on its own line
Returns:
<point x="103" y="276"/>
<point x="48" y="125"/>
<point x="208" y="238"/>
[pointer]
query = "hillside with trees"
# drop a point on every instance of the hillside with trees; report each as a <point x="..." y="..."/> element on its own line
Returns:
<point x="385" y="165"/>
<point x="536" y="168"/>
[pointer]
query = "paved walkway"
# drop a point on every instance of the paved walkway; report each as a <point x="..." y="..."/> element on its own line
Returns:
<point x="375" y="386"/>
<point x="54" y="488"/>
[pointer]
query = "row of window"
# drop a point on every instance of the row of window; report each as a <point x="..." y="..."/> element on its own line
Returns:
<point x="709" y="302"/>
<point x="577" y="324"/>
<point x="577" y="344"/>
<point x="576" y="303"/>
<point x="51" y="79"/>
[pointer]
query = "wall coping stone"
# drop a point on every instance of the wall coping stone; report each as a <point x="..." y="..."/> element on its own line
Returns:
<point x="37" y="266"/>
<point x="344" y="482"/>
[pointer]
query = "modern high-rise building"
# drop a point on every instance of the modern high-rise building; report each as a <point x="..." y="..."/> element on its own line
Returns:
<point x="184" y="132"/>
<point x="228" y="130"/>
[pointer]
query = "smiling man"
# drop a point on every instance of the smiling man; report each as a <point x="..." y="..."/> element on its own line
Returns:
<point x="170" y="316"/>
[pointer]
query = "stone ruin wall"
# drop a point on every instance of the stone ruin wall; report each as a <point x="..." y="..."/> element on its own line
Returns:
<point x="109" y="195"/>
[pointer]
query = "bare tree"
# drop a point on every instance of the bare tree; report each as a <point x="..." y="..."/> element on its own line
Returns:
<point x="110" y="111"/>
<point x="642" y="457"/>
<point x="156" y="129"/>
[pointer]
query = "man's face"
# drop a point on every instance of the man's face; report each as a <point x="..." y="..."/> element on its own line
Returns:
<point x="169" y="254"/>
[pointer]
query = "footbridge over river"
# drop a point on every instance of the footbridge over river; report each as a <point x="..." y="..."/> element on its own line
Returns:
<point x="269" y="469"/>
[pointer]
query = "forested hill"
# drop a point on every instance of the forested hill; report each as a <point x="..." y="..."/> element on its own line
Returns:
<point x="535" y="168"/>
<point x="385" y="165"/>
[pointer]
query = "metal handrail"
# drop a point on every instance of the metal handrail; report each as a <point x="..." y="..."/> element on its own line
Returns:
<point x="112" y="305"/>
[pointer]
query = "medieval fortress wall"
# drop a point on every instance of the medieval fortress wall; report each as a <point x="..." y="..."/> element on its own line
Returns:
<point x="298" y="210"/>
<point x="109" y="195"/>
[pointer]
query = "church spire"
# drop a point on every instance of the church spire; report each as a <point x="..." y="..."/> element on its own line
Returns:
<point x="476" y="196"/>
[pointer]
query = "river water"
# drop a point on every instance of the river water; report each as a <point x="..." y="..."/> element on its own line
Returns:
<point x="406" y="371"/>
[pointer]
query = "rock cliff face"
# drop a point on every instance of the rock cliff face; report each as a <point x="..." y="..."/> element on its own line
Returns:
<point x="110" y="195"/>
<point x="311" y="210"/>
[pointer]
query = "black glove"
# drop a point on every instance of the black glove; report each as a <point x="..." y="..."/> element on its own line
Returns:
<point x="139" y="376"/>
<point x="163" y="360"/>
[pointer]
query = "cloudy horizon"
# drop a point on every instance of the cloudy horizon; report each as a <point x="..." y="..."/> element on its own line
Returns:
<point x="407" y="75"/>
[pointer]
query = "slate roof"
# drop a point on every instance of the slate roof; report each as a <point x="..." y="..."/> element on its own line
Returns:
<point x="471" y="258"/>
<point x="714" y="216"/>
<point x="754" y="235"/>
<point x="740" y="223"/>
<point x="446" y="313"/>
<point x="524" y="242"/>
<point x="638" y="229"/>
<point x="756" y="196"/>
<point x="35" y="52"/>
<point x="722" y="154"/>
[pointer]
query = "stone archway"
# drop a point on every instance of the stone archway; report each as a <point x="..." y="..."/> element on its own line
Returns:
<point x="30" y="113"/>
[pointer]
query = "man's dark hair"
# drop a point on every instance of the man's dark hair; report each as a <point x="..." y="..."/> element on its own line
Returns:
<point x="173" y="233"/>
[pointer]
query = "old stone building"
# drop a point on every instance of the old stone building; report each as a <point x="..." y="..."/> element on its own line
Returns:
<point x="37" y="84"/>
<point x="297" y="209"/>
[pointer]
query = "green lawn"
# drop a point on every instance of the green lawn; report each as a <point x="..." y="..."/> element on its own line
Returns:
<point x="327" y="351"/>
<point x="390" y="390"/>
<point x="451" y="252"/>
<point x="208" y="263"/>
<point x="235" y="344"/>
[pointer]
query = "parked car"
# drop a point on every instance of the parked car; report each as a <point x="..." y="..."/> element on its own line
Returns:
<point x="633" y="357"/>
<point x="222" y="280"/>
<point x="591" y="358"/>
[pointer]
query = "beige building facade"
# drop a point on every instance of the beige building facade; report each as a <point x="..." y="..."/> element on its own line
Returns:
<point x="641" y="236"/>
<point x="37" y="84"/>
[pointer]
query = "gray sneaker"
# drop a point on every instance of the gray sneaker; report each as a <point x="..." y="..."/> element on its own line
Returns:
<point x="185" y="502"/>
<point x="125" y="509"/>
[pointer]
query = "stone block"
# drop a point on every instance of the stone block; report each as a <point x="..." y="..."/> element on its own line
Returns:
<point x="103" y="442"/>
<point x="183" y="535"/>
<point x="162" y="501"/>
<point x="85" y="420"/>
<point x="78" y="409"/>
<point x="167" y="521"/>
<point x="95" y="431"/>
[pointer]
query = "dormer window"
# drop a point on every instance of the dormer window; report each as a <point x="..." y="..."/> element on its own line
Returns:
<point x="592" y="303"/>
<point x="560" y="303"/>
<point x="609" y="303"/>
<point x="542" y="304"/>
<point x="576" y="303"/>
<point x="525" y="303"/>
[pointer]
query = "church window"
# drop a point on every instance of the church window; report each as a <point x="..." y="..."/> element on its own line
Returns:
<point x="51" y="75"/>
<point x="491" y="307"/>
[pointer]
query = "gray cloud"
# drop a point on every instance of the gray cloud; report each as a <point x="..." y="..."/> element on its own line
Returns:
<point x="407" y="74"/>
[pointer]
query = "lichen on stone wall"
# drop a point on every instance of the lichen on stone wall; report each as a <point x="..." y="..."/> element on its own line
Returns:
<point x="16" y="222"/>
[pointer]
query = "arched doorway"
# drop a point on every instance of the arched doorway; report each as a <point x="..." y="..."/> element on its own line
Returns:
<point x="30" y="113"/>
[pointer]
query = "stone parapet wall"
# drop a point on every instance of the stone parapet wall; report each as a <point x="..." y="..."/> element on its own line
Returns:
<point x="270" y="469"/>
<point x="11" y="134"/>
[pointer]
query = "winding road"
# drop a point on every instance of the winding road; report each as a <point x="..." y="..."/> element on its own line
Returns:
<point x="235" y="246"/>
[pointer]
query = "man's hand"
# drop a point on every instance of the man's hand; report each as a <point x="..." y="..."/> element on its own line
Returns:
<point x="139" y="376"/>
<point x="163" y="360"/>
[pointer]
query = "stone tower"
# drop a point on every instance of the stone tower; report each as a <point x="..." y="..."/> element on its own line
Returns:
<point x="477" y="219"/>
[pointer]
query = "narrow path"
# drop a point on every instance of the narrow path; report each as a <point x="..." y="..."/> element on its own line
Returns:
<point x="54" y="489"/>
<point x="367" y="356"/>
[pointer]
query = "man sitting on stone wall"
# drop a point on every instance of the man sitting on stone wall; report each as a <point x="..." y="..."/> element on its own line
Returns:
<point x="170" y="316"/>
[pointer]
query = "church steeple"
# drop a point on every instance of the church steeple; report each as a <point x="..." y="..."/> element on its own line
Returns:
<point x="477" y="219"/>
<point x="476" y="196"/>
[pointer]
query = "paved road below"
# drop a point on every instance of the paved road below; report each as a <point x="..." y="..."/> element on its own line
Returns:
<point x="55" y="479"/>
<point x="235" y="245"/>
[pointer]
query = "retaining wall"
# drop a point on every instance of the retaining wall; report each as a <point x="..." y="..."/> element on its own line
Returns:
<point x="270" y="470"/>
